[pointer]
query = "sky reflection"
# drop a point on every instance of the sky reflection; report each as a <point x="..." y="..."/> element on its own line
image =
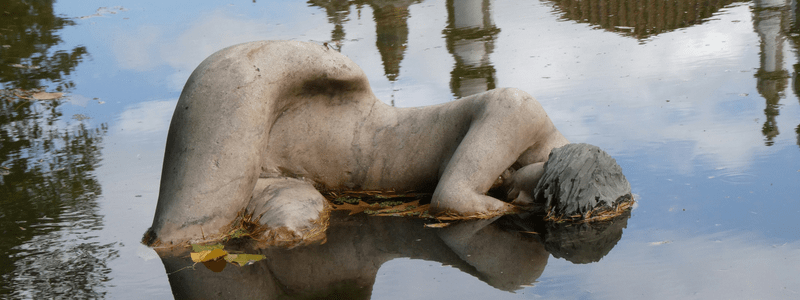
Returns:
<point x="701" y="113"/>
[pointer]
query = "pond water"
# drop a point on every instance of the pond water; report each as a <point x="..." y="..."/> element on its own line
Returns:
<point x="697" y="101"/>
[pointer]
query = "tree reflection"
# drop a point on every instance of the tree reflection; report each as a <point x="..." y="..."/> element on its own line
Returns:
<point x="48" y="191"/>
<point x="28" y="30"/>
<point x="640" y="19"/>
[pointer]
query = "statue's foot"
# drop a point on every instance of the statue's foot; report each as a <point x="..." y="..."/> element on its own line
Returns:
<point x="291" y="211"/>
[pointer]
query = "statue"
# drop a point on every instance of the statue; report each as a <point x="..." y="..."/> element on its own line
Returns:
<point x="262" y="127"/>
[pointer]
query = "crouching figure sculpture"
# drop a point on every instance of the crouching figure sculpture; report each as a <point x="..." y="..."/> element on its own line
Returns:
<point x="261" y="127"/>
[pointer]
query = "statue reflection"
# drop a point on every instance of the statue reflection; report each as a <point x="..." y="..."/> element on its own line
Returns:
<point x="506" y="253"/>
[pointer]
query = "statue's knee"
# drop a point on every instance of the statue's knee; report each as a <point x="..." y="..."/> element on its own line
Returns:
<point x="286" y="202"/>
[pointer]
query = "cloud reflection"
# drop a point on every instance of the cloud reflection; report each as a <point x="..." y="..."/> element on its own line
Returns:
<point x="724" y="265"/>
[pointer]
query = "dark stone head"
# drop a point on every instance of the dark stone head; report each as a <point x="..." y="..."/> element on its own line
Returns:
<point x="579" y="178"/>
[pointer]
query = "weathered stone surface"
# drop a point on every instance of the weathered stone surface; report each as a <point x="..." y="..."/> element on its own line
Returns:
<point x="347" y="264"/>
<point x="259" y="126"/>
<point x="579" y="178"/>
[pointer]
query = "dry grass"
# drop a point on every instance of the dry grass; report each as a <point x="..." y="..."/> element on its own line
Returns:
<point x="599" y="214"/>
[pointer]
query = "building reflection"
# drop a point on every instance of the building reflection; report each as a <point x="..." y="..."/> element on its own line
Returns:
<point x="48" y="190"/>
<point x="640" y="18"/>
<point x="338" y="12"/>
<point x="771" y="20"/>
<point x="391" y="28"/>
<point x="794" y="35"/>
<point x="470" y="36"/>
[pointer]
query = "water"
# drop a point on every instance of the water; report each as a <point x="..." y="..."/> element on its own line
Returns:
<point x="697" y="101"/>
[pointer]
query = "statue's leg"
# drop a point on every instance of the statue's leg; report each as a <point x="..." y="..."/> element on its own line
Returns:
<point x="219" y="132"/>
<point x="291" y="210"/>
<point x="506" y="124"/>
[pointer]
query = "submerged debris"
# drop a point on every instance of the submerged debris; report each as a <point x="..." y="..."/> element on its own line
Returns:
<point x="381" y="203"/>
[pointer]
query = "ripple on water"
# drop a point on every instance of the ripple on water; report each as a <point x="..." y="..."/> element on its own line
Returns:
<point x="737" y="177"/>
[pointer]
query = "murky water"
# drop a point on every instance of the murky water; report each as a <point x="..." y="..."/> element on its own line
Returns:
<point x="697" y="101"/>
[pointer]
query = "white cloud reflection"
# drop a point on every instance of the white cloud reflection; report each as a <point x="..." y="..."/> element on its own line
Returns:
<point x="149" y="46"/>
<point x="645" y="265"/>
<point x="717" y="266"/>
<point x="599" y="87"/>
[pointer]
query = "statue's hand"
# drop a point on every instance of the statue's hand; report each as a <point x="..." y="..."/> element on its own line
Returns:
<point x="522" y="183"/>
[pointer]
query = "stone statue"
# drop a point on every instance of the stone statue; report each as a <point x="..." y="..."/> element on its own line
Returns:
<point x="261" y="127"/>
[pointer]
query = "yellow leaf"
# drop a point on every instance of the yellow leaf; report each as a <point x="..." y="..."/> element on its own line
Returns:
<point x="216" y="253"/>
<point x="243" y="259"/>
<point x="207" y="255"/>
<point x="198" y="256"/>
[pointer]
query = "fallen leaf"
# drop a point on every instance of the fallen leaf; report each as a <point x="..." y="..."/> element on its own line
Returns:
<point x="47" y="96"/>
<point x="243" y="259"/>
<point x="208" y="255"/>
<point x="198" y="256"/>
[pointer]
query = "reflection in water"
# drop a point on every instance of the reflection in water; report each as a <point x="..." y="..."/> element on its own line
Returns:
<point x="391" y="28"/>
<point x="48" y="203"/>
<point x="28" y="30"/>
<point x="771" y="21"/>
<point x="794" y="33"/>
<point x="640" y="19"/>
<point x="470" y="36"/>
<point x="505" y="253"/>
<point x="338" y="13"/>
<point x="48" y="191"/>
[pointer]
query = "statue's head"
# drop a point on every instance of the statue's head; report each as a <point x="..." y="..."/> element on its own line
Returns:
<point x="581" y="178"/>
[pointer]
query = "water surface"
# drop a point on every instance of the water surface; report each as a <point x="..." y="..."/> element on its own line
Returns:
<point x="697" y="101"/>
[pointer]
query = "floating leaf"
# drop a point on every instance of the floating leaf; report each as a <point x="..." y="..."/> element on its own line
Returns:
<point x="208" y="255"/>
<point x="243" y="259"/>
<point x="198" y="256"/>
<point x="47" y="96"/>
